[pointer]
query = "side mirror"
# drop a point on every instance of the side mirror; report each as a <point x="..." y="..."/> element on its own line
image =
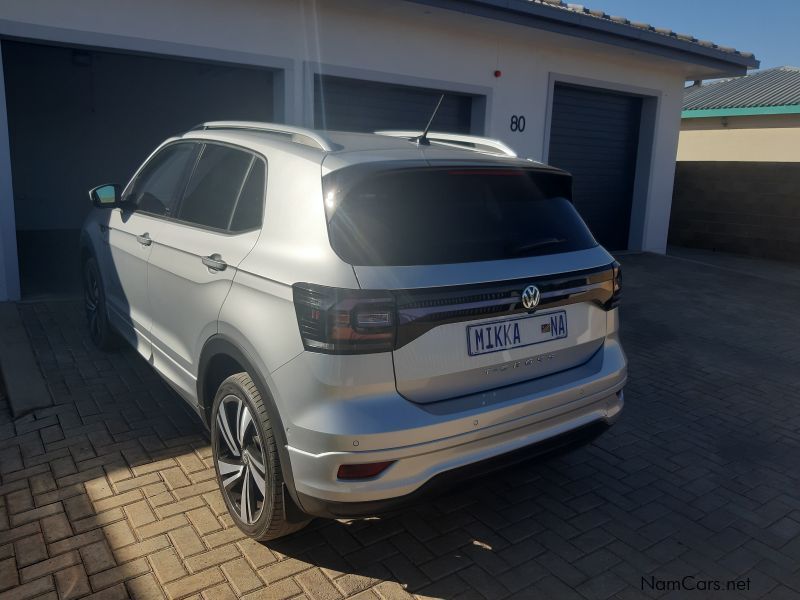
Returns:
<point x="105" y="196"/>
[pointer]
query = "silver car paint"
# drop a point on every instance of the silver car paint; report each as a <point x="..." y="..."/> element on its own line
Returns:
<point x="339" y="409"/>
<point x="382" y="278"/>
<point x="124" y="269"/>
<point x="185" y="296"/>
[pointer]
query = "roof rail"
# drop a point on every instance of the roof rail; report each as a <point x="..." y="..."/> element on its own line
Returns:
<point x="466" y="142"/>
<point x="300" y="135"/>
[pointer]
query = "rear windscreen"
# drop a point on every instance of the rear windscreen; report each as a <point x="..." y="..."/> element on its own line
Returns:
<point x="425" y="216"/>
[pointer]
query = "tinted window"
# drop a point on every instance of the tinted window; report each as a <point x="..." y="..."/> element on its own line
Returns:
<point x="159" y="183"/>
<point x="452" y="215"/>
<point x="214" y="186"/>
<point x="250" y="207"/>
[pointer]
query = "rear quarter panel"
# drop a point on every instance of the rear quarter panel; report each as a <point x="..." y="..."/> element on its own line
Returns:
<point x="258" y="315"/>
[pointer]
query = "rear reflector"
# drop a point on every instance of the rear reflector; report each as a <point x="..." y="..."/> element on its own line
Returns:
<point x="363" y="471"/>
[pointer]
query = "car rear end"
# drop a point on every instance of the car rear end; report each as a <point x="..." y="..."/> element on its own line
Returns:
<point x="485" y="323"/>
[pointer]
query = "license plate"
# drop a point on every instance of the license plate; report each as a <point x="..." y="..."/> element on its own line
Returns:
<point x="516" y="333"/>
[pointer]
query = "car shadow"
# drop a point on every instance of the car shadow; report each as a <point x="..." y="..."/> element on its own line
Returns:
<point x="136" y="462"/>
<point x="493" y="522"/>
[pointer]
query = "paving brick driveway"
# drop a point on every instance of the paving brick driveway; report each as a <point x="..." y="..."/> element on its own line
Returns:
<point x="111" y="492"/>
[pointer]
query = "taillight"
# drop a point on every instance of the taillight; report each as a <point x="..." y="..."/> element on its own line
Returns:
<point x="338" y="321"/>
<point x="616" y="296"/>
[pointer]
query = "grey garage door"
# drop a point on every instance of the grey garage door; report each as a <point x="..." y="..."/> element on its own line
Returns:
<point x="357" y="105"/>
<point x="78" y="118"/>
<point x="594" y="134"/>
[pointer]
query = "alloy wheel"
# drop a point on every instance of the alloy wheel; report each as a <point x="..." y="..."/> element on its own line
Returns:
<point x="240" y="458"/>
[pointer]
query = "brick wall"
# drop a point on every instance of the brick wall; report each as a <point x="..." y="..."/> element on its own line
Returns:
<point x="743" y="207"/>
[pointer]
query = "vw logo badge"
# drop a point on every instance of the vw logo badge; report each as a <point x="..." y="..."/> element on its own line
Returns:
<point x="530" y="297"/>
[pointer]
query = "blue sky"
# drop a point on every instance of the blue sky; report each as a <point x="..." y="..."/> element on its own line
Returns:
<point x="768" y="28"/>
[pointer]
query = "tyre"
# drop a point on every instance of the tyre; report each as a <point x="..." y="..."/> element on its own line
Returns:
<point x="247" y="463"/>
<point x="94" y="301"/>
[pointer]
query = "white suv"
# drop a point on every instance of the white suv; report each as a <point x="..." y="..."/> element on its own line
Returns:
<point x="357" y="317"/>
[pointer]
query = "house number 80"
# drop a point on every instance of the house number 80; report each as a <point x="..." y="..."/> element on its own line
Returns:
<point x="518" y="123"/>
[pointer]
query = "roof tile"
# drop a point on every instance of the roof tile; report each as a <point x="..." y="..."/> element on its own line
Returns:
<point x="599" y="14"/>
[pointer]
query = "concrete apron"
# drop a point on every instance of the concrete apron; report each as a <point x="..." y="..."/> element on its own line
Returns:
<point x="23" y="379"/>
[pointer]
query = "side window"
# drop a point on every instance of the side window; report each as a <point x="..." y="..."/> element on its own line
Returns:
<point x="159" y="184"/>
<point x="214" y="186"/>
<point x="250" y="207"/>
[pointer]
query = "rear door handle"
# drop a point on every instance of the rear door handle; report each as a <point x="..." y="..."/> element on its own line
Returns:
<point x="144" y="239"/>
<point x="215" y="262"/>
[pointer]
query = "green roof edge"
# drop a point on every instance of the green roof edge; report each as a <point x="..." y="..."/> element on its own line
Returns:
<point x="786" y="109"/>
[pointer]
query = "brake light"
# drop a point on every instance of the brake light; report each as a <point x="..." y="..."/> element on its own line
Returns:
<point x="339" y="321"/>
<point x="488" y="172"/>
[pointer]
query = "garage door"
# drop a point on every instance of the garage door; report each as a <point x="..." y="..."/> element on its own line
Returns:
<point x="357" y="105"/>
<point x="594" y="134"/>
<point x="78" y="118"/>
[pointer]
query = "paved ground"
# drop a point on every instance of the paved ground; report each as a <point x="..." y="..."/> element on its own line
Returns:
<point x="111" y="491"/>
<point x="785" y="272"/>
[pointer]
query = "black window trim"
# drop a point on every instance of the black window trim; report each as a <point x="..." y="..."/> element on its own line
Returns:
<point x="201" y="143"/>
<point x="239" y="195"/>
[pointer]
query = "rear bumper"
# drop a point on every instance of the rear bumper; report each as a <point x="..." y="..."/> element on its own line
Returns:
<point x="428" y="441"/>
<point x="564" y="442"/>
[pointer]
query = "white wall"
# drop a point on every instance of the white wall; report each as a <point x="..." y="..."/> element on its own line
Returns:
<point x="394" y="40"/>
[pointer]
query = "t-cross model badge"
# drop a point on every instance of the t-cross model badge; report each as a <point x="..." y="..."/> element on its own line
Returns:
<point x="530" y="297"/>
<point x="352" y="315"/>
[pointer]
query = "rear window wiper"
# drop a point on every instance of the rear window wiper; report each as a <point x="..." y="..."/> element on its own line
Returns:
<point x="535" y="245"/>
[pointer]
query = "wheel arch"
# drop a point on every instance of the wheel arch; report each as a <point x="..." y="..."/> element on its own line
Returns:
<point x="221" y="358"/>
<point x="86" y="248"/>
